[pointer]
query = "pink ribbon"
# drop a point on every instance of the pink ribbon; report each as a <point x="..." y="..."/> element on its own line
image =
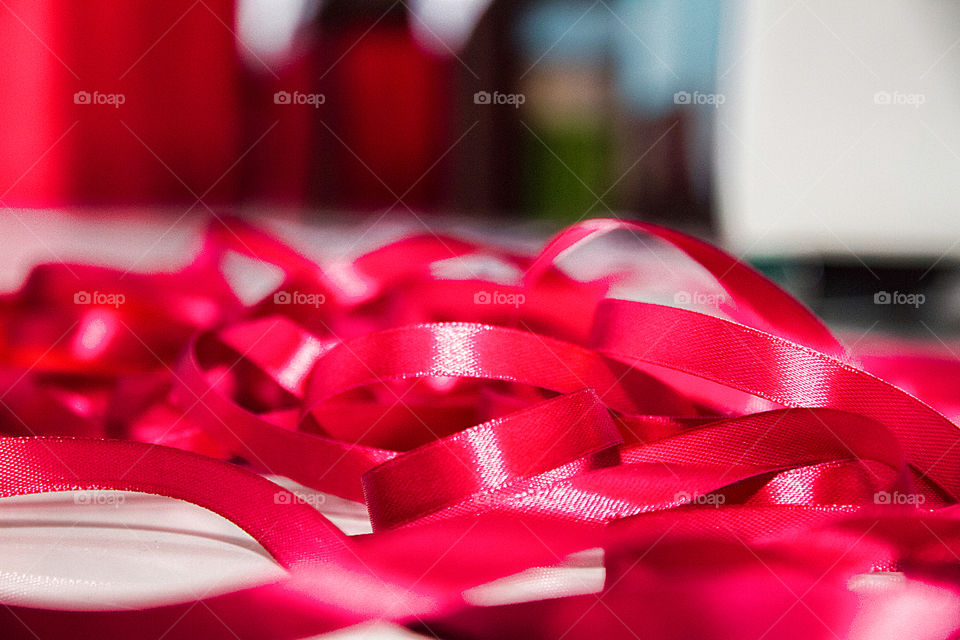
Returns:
<point x="486" y="437"/>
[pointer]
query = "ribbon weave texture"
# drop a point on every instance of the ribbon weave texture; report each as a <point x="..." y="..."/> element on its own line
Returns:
<point x="743" y="476"/>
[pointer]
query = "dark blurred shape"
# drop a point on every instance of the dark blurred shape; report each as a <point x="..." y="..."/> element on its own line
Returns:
<point x="389" y="104"/>
<point x="475" y="106"/>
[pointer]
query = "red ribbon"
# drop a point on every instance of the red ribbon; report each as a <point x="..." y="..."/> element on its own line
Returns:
<point x="737" y="474"/>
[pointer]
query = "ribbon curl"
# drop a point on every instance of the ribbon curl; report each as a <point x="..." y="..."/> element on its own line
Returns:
<point x="742" y="476"/>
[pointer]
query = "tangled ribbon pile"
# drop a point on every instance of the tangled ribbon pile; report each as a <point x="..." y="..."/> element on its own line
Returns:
<point x="740" y="476"/>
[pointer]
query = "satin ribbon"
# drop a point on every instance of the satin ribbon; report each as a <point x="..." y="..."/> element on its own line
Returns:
<point x="738" y="473"/>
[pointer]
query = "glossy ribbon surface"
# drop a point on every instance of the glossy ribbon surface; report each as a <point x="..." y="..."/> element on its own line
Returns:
<point x="740" y="474"/>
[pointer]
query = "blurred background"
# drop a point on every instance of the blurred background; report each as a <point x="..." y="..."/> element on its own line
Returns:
<point x="818" y="140"/>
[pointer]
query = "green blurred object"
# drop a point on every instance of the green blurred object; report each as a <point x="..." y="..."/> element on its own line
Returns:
<point x="569" y="110"/>
<point x="565" y="180"/>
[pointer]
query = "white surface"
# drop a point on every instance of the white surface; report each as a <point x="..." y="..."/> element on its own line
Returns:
<point x="117" y="550"/>
<point x="807" y="161"/>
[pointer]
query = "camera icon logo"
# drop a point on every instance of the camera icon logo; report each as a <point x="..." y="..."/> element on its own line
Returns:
<point x="282" y="497"/>
<point x="281" y="297"/>
<point x="281" y="97"/>
<point x="81" y="297"/>
<point x="682" y="97"/>
<point x="882" y="97"/>
<point x="482" y="97"/>
<point x="682" y="297"/>
<point x="882" y="297"/>
<point x="881" y="497"/>
<point x="81" y="97"/>
<point x="482" y="297"/>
